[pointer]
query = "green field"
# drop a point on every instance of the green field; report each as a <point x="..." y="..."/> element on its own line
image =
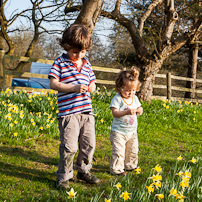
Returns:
<point x="29" y="152"/>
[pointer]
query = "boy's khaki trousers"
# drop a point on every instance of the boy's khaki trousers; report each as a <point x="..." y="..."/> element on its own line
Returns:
<point x="73" y="129"/>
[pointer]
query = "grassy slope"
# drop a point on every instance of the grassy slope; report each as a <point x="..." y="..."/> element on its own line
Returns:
<point x="27" y="167"/>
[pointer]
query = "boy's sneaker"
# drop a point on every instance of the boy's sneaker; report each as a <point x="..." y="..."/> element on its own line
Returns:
<point x="62" y="185"/>
<point x="88" y="177"/>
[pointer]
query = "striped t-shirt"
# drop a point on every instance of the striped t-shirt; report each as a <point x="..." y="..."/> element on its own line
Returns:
<point x="66" y="71"/>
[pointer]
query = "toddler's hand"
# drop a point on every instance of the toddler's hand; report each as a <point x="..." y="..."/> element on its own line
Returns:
<point x="139" y="111"/>
<point x="131" y="111"/>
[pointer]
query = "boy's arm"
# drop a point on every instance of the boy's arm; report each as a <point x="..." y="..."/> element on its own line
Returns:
<point x="116" y="113"/>
<point x="68" y="88"/>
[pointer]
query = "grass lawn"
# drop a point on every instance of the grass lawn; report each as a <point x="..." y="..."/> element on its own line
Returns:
<point x="29" y="152"/>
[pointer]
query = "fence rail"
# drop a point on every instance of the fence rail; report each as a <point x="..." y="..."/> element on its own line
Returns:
<point x="167" y="76"/>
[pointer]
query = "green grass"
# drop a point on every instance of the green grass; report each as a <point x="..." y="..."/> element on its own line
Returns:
<point x="29" y="150"/>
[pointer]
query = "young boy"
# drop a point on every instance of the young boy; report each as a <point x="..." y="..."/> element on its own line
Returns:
<point x="72" y="76"/>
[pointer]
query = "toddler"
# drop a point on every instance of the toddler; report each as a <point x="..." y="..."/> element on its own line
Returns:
<point x="125" y="108"/>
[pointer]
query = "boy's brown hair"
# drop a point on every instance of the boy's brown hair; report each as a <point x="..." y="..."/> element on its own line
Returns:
<point x="127" y="76"/>
<point x="76" y="36"/>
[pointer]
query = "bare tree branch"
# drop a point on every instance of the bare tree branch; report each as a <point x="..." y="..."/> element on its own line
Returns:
<point x="147" y="14"/>
<point x="130" y="26"/>
<point x="118" y="6"/>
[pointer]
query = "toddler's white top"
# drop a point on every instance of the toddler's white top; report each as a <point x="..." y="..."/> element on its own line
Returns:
<point x="127" y="124"/>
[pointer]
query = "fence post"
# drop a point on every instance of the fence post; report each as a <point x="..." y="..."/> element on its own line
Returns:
<point x="2" y="68"/>
<point x="169" y="92"/>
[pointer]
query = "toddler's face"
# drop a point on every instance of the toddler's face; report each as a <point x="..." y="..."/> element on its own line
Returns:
<point x="129" y="90"/>
<point x="76" y="55"/>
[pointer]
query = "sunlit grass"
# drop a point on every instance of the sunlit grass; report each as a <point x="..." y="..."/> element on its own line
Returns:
<point x="170" y="166"/>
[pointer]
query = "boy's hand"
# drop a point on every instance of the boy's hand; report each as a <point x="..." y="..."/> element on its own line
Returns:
<point x="81" y="88"/>
<point x="91" y="87"/>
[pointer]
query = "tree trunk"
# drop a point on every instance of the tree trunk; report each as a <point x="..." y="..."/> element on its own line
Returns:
<point x="147" y="79"/>
<point x="1" y="58"/>
<point x="192" y="69"/>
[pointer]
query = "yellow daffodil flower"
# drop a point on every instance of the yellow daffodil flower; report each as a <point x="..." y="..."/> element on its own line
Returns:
<point x="184" y="184"/>
<point x="179" y="158"/>
<point x="156" y="177"/>
<point x="107" y="200"/>
<point x="180" y="197"/>
<point x="15" y="134"/>
<point x="71" y="193"/>
<point x="160" y="196"/>
<point x="185" y="179"/>
<point x="157" y="184"/>
<point x="125" y="195"/>
<point x="173" y="192"/>
<point x="180" y="173"/>
<point x="158" y="168"/>
<point x="187" y="174"/>
<point x="118" y="185"/>
<point x="102" y="120"/>
<point x="193" y="160"/>
<point x="138" y="170"/>
<point x="150" y="188"/>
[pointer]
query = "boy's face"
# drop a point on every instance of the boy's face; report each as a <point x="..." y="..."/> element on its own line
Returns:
<point x="76" y="55"/>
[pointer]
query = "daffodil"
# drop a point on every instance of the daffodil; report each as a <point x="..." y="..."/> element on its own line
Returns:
<point x="184" y="184"/>
<point x="15" y="134"/>
<point x="185" y="179"/>
<point x="173" y="192"/>
<point x="102" y="120"/>
<point x="179" y="158"/>
<point x="180" y="197"/>
<point x="125" y="195"/>
<point x="107" y="200"/>
<point x="193" y="160"/>
<point x="187" y="174"/>
<point x="157" y="184"/>
<point x="71" y="193"/>
<point x="180" y="173"/>
<point x="118" y="185"/>
<point x="158" y="168"/>
<point x="160" y="196"/>
<point x="138" y="170"/>
<point x="156" y="177"/>
<point x="150" y="188"/>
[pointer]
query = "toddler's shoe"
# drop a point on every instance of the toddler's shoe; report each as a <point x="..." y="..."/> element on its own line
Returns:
<point x="62" y="185"/>
<point x="120" y="174"/>
<point x="88" y="177"/>
<point x="123" y="174"/>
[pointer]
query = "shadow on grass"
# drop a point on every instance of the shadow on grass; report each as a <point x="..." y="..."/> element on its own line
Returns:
<point x="26" y="173"/>
<point x="21" y="171"/>
<point x="29" y="155"/>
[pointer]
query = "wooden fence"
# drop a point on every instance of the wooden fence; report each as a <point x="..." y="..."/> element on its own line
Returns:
<point x="168" y="87"/>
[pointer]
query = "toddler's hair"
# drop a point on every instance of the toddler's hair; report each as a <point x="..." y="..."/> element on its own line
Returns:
<point x="76" y="36"/>
<point x="127" y="76"/>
